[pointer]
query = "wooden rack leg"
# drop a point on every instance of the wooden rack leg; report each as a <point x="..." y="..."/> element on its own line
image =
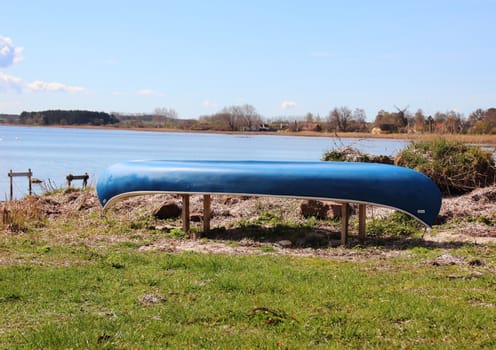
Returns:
<point x="361" y="221"/>
<point x="185" y="212"/>
<point x="344" y="222"/>
<point x="30" y="175"/>
<point x="206" y="212"/>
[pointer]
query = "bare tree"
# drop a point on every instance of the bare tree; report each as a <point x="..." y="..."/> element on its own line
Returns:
<point x="162" y="116"/>
<point x="240" y="117"/>
<point x="453" y="123"/>
<point x="475" y="116"/>
<point x="339" y="118"/>
<point x="359" y="119"/>
<point x="419" y="120"/>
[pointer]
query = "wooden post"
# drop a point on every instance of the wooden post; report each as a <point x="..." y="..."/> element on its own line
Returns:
<point x="206" y="212"/>
<point x="361" y="221"/>
<point x="71" y="177"/>
<point x="185" y="212"/>
<point x="344" y="222"/>
<point x="11" y="185"/>
<point x="28" y="174"/>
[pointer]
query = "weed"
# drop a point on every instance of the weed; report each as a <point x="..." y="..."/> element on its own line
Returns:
<point x="397" y="224"/>
<point x="267" y="248"/>
<point x="177" y="233"/>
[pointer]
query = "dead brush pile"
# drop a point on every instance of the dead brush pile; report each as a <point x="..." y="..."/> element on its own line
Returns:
<point x="456" y="168"/>
<point x="34" y="211"/>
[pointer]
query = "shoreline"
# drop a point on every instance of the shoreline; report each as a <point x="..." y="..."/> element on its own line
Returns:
<point x="481" y="140"/>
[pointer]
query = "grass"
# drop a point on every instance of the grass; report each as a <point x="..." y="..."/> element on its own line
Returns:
<point x="74" y="296"/>
<point x="116" y="297"/>
<point x="82" y="281"/>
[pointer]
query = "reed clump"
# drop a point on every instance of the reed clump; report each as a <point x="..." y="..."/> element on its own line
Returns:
<point x="20" y="215"/>
<point x="454" y="166"/>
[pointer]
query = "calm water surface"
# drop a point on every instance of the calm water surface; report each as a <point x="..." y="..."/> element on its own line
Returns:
<point x="52" y="153"/>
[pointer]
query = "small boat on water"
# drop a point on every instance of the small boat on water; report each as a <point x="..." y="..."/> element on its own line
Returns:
<point x="389" y="186"/>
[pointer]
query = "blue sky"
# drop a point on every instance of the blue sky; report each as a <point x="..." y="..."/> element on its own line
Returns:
<point x="286" y="58"/>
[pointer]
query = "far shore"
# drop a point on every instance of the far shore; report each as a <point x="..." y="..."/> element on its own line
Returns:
<point x="484" y="140"/>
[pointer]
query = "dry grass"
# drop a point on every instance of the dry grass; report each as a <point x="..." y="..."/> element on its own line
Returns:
<point x="17" y="216"/>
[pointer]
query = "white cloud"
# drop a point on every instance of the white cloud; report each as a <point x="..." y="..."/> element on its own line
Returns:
<point x="150" y="92"/>
<point x="10" y="83"/>
<point x="39" y="85"/>
<point x="9" y="54"/>
<point x="210" y="104"/>
<point x="288" y="104"/>
<point x="146" y="92"/>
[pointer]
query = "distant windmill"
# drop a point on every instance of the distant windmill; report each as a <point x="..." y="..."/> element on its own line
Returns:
<point x="402" y="114"/>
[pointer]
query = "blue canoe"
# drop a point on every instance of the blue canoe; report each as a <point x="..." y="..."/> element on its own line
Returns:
<point x="390" y="186"/>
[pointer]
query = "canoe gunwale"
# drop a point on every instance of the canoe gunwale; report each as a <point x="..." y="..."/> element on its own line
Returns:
<point x="112" y="201"/>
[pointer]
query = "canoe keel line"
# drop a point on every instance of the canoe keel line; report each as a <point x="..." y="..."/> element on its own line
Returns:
<point x="389" y="186"/>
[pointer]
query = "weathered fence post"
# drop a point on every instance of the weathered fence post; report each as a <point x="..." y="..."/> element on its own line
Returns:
<point x="71" y="177"/>
<point x="28" y="174"/>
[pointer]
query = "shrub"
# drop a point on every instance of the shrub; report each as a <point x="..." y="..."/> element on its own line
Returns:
<point x="345" y="154"/>
<point x="351" y="154"/>
<point x="455" y="167"/>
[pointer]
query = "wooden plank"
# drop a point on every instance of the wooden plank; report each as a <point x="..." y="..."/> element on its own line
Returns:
<point x="27" y="174"/>
<point x="361" y="221"/>
<point x="18" y="174"/>
<point x="344" y="222"/>
<point x="79" y="177"/>
<point x="206" y="212"/>
<point x="83" y="177"/>
<point x="185" y="213"/>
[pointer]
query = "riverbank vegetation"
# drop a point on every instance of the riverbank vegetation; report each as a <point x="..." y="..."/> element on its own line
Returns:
<point x="245" y="118"/>
<point x="454" y="166"/>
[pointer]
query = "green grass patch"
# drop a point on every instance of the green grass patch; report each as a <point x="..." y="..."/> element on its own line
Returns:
<point x="119" y="298"/>
<point x="395" y="225"/>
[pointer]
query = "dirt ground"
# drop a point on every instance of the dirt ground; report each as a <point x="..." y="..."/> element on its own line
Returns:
<point x="255" y="225"/>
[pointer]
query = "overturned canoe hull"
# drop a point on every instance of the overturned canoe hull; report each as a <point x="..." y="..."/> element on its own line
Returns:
<point x="378" y="184"/>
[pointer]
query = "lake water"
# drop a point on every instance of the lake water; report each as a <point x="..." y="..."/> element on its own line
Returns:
<point x="52" y="153"/>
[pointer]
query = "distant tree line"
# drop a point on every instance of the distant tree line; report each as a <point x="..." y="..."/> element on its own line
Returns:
<point x="60" y="117"/>
<point x="246" y="118"/>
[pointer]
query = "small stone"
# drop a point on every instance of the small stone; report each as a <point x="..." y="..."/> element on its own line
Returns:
<point x="448" y="259"/>
<point x="151" y="299"/>
<point x="313" y="208"/>
<point x="285" y="243"/>
<point x="169" y="210"/>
